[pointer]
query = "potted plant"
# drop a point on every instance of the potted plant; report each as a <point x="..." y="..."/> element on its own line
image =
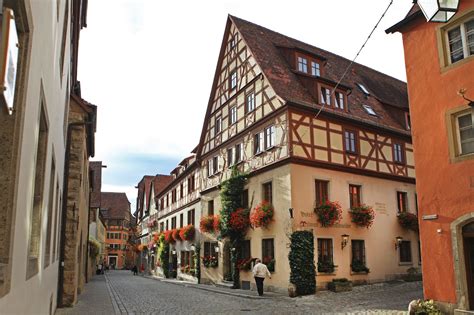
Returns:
<point x="240" y="220"/>
<point x="187" y="233"/>
<point x="169" y="236"/>
<point x="176" y="235"/>
<point x="359" y="266"/>
<point x="262" y="215"/>
<point x="340" y="285"/>
<point x="245" y="264"/>
<point x="326" y="266"/>
<point x="328" y="213"/>
<point x="362" y="215"/>
<point x="270" y="262"/>
<point x="408" y="220"/>
<point x="209" y="224"/>
<point x="209" y="261"/>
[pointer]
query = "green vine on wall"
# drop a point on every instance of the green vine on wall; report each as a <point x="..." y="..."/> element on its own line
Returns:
<point x="197" y="262"/>
<point x="301" y="257"/>
<point x="231" y="199"/>
<point x="164" y="255"/>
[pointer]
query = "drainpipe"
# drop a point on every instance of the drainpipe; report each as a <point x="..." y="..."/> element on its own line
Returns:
<point x="62" y="238"/>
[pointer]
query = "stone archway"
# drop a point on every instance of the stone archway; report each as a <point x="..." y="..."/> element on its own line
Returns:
<point x="459" y="259"/>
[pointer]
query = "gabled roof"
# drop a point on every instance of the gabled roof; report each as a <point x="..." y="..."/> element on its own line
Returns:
<point x="115" y="205"/>
<point x="264" y="43"/>
<point x="414" y="13"/>
<point x="143" y="194"/>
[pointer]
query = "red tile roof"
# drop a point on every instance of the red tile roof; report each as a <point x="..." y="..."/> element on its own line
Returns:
<point x="115" y="205"/>
<point x="385" y="92"/>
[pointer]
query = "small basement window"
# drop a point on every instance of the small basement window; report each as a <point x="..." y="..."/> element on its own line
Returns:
<point x="369" y="110"/>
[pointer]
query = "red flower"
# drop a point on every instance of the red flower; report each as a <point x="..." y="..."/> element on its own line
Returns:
<point x="262" y="215"/>
<point x="176" y="235"/>
<point x="362" y="216"/>
<point x="187" y="233"/>
<point x="239" y="220"/>
<point x="209" y="224"/>
<point x="329" y="213"/>
<point x="169" y="236"/>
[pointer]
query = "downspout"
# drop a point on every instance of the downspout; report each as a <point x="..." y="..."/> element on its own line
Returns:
<point x="62" y="238"/>
<point x="88" y="231"/>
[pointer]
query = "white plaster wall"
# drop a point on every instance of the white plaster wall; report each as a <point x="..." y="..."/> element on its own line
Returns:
<point x="46" y="37"/>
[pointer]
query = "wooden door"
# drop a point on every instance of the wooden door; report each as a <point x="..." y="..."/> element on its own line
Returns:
<point x="469" y="259"/>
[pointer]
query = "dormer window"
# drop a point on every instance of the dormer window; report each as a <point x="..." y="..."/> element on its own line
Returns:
<point x="315" y="71"/>
<point x="369" y="110"/>
<point x="325" y="96"/>
<point x="302" y="64"/>
<point x="339" y="100"/>
<point x="233" y="80"/>
<point x="363" y="89"/>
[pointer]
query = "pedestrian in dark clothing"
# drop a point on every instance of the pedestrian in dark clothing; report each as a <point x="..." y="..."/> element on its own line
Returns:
<point x="135" y="270"/>
<point x="260" y="271"/>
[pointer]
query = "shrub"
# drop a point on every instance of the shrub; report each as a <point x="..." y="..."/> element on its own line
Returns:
<point x="187" y="233"/>
<point x="262" y="215"/>
<point x="329" y="213"/>
<point x="362" y="216"/>
<point x="425" y="307"/>
<point x="408" y="220"/>
<point x="301" y="258"/>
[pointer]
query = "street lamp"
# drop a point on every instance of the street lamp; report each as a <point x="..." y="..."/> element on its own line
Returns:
<point x="344" y="240"/>
<point x="398" y="242"/>
<point x="193" y="247"/>
<point x="438" y="10"/>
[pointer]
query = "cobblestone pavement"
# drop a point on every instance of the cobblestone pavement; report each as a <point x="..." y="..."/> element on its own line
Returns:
<point x="139" y="295"/>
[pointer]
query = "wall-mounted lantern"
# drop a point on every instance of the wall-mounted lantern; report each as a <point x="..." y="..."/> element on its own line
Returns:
<point x="344" y="240"/>
<point x="216" y="249"/>
<point x="398" y="242"/>
<point x="193" y="247"/>
<point x="438" y="10"/>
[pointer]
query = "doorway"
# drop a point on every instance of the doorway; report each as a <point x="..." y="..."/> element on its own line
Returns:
<point x="468" y="240"/>
<point x="112" y="261"/>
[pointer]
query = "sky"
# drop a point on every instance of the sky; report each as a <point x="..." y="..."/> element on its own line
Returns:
<point x="149" y="66"/>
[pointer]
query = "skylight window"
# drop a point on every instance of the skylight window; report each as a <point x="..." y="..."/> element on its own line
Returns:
<point x="364" y="89"/>
<point x="369" y="110"/>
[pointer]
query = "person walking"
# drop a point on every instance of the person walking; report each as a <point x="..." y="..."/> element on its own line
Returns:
<point x="260" y="271"/>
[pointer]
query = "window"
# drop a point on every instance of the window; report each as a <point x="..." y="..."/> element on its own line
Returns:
<point x="191" y="219"/>
<point x="218" y="125"/>
<point x="315" y="69"/>
<point x="250" y="102"/>
<point x="339" y="100"/>
<point x="191" y="184"/>
<point x="325" y="96"/>
<point x="162" y="226"/>
<point x="245" y="199"/>
<point x="233" y="115"/>
<point x="181" y="220"/>
<point x="302" y="64"/>
<point x="460" y="41"/>
<point x="162" y="203"/>
<point x="405" y="252"/>
<point x="210" y="249"/>
<point x="268" y="253"/>
<point x="269" y="137"/>
<point x="210" y="207"/>
<point x="233" y="42"/>
<point x="369" y="110"/>
<point x="239" y="153"/>
<point x="465" y="132"/>
<point x="350" y="142"/>
<point x="209" y="168"/>
<point x="173" y="196"/>
<point x="321" y="191"/>
<point x="402" y="201"/>
<point x="354" y="195"/>
<point x="181" y="190"/>
<point x="324" y="253"/>
<point x="173" y="223"/>
<point x="267" y="192"/>
<point x="245" y="250"/>
<point x="363" y="89"/>
<point x="358" y="252"/>
<point x="47" y="254"/>
<point x="215" y="164"/>
<point x="167" y="226"/>
<point x="230" y="156"/>
<point x="398" y="153"/>
<point x="258" y="143"/>
<point x="167" y="200"/>
<point x="38" y="195"/>
<point x="233" y="80"/>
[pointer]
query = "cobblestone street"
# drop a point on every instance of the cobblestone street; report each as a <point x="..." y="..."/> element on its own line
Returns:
<point x="120" y="292"/>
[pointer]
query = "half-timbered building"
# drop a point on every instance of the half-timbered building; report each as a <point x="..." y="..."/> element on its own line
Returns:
<point x="282" y="111"/>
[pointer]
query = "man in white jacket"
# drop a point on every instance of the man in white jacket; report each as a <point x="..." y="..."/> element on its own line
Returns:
<point x="260" y="271"/>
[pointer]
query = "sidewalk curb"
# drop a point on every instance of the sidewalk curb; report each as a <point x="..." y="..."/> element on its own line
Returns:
<point x="202" y="287"/>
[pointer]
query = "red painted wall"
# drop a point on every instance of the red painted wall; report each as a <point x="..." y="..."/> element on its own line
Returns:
<point x="443" y="187"/>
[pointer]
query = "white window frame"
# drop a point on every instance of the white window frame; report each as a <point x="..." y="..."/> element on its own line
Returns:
<point x="233" y="115"/>
<point x="258" y="144"/>
<point x="218" y="125"/>
<point x="302" y="64"/>
<point x="369" y="110"/>
<point x="215" y="165"/>
<point x="239" y="148"/>
<point x="230" y="156"/>
<point x="458" y="131"/>
<point x="269" y="137"/>
<point x="233" y="80"/>
<point x="462" y="28"/>
<point x="250" y="102"/>
<point x="315" y="69"/>
<point x="339" y="98"/>
<point x="325" y="95"/>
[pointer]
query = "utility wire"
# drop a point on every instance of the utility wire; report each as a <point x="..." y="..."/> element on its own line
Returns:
<point x="353" y="60"/>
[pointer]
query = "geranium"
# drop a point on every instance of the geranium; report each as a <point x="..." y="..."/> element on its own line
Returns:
<point x="362" y="215"/>
<point x="408" y="220"/>
<point x="176" y="235"/>
<point x="169" y="236"/>
<point x="210" y="261"/>
<point x="329" y="213"/>
<point x="187" y="233"/>
<point x="209" y="224"/>
<point x="240" y="220"/>
<point x="156" y="237"/>
<point x="245" y="264"/>
<point x="261" y="215"/>
<point x="270" y="262"/>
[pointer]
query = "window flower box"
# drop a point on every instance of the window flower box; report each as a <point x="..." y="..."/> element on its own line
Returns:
<point x="187" y="233"/>
<point x="362" y="216"/>
<point x="328" y="213"/>
<point x="210" y="261"/>
<point x="209" y="224"/>
<point x="262" y="215"/>
<point x="408" y="221"/>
